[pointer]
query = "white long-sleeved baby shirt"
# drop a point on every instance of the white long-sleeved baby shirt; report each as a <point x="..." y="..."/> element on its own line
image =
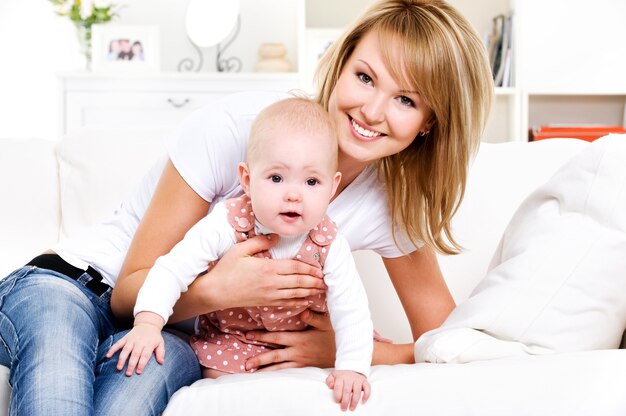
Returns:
<point x="212" y="236"/>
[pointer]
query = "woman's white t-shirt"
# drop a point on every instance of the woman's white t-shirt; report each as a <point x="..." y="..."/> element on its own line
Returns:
<point x="206" y="149"/>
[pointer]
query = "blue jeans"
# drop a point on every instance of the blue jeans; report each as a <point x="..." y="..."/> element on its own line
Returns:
<point x="54" y="333"/>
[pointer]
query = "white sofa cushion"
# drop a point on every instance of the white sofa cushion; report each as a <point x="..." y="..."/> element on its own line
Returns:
<point x="576" y="384"/>
<point x="558" y="279"/>
<point x="500" y="178"/>
<point x="29" y="186"/>
<point x="99" y="167"/>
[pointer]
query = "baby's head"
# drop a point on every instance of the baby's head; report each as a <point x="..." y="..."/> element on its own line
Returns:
<point x="290" y="172"/>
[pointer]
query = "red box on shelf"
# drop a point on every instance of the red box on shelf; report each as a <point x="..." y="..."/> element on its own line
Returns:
<point x="584" y="132"/>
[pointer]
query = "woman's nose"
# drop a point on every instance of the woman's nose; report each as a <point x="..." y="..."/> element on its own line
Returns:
<point x="374" y="109"/>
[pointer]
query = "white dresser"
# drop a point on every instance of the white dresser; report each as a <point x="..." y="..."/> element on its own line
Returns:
<point x="159" y="99"/>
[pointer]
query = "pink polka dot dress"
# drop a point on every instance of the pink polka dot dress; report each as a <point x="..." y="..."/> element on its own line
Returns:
<point x="220" y="343"/>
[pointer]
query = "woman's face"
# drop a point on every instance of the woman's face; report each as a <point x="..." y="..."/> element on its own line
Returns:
<point x="375" y="117"/>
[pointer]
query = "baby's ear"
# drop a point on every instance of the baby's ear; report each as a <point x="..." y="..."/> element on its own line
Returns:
<point x="244" y="177"/>
<point x="336" y="180"/>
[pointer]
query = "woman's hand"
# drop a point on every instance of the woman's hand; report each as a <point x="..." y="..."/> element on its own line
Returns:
<point x="314" y="347"/>
<point x="239" y="279"/>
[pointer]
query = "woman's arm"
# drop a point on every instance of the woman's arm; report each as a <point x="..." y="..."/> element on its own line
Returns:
<point x="421" y="288"/>
<point x="238" y="280"/>
<point x="173" y="210"/>
<point x="425" y="298"/>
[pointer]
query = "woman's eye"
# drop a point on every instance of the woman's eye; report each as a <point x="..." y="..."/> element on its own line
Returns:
<point x="407" y="101"/>
<point x="276" y="178"/>
<point x="366" y="79"/>
<point x="312" y="182"/>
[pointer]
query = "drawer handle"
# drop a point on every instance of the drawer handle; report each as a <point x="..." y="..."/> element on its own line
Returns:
<point x="179" y="104"/>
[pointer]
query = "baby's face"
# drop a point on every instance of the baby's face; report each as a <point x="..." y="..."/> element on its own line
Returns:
<point x="290" y="181"/>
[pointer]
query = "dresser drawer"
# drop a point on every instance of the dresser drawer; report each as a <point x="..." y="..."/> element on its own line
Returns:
<point x="131" y="109"/>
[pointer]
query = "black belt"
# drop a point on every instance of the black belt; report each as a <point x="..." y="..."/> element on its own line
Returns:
<point x="55" y="263"/>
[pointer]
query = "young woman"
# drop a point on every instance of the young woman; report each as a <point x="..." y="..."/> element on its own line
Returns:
<point x="409" y="88"/>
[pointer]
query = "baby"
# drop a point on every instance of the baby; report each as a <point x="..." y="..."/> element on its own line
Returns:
<point x="289" y="178"/>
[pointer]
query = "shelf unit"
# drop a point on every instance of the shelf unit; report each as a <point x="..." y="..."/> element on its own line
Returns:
<point x="572" y="61"/>
<point x="569" y="63"/>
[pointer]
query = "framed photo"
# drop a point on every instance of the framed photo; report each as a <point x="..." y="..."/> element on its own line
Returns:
<point x="317" y="41"/>
<point x="125" y="48"/>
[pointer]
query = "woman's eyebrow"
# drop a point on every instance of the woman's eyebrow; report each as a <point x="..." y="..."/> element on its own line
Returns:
<point x="370" y="68"/>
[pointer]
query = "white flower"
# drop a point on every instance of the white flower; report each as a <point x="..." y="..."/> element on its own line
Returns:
<point x="101" y="4"/>
<point x="85" y="8"/>
<point x="63" y="8"/>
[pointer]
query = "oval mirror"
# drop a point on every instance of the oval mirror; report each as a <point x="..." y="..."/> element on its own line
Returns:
<point x="208" y="22"/>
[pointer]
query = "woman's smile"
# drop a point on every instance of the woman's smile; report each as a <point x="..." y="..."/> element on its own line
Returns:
<point x="362" y="132"/>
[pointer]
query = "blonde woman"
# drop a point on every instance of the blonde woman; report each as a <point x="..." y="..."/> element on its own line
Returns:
<point x="409" y="89"/>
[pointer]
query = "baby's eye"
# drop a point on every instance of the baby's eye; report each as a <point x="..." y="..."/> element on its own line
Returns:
<point x="366" y="79"/>
<point x="312" y="182"/>
<point x="276" y="178"/>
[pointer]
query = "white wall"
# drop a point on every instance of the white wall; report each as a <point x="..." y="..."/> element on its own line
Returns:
<point x="34" y="45"/>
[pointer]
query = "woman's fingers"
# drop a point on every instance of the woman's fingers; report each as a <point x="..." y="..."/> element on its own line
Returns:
<point x="277" y="356"/>
<point x="239" y="279"/>
<point x="319" y="321"/>
<point x="280" y="366"/>
<point x="312" y="347"/>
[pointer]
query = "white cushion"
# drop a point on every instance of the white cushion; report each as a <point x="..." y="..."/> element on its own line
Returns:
<point x="577" y="384"/>
<point x="558" y="280"/>
<point x="500" y="178"/>
<point x="99" y="168"/>
<point x="29" y="213"/>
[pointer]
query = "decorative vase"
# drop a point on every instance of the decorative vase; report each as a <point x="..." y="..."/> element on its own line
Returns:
<point x="272" y="58"/>
<point x="84" y="43"/>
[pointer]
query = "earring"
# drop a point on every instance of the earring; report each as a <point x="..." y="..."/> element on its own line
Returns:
<point x="424" y="133"/>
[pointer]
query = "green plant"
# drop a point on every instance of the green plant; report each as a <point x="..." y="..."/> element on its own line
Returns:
<point x="85" y="13"/>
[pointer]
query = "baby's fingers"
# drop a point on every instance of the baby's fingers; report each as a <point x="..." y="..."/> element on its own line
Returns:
<point x="144" y="357"/>
<point x="337" y="389"/>
<point x="116" y="347"/>
<point x="121" y="360"/>
<point x="330" y="381"/>
<point x="355" y="395"/>
<point x="367" y="391"/>
<point x="133" y="361"/>
<point x="159" y="353"/>
<point x="347" y="396"/>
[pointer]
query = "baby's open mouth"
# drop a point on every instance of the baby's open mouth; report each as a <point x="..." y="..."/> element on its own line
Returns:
<point x="290" y="214"/>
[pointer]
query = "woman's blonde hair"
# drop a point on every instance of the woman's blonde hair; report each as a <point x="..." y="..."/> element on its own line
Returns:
<point x="437" y="53"/>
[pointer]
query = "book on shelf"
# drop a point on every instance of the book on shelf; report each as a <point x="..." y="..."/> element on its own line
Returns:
<point x="588" y="132"/>
<point x="499" y="44"/>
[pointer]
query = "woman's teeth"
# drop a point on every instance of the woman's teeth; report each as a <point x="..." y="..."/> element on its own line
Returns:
<point x="363" y="131"/>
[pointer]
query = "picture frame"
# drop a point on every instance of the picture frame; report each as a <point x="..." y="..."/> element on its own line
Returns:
<point x="118" y="48"/>
<point x="317" y="42"/>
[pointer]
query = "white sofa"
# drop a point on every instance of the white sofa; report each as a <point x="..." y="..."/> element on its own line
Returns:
<point x="51" y="190"/>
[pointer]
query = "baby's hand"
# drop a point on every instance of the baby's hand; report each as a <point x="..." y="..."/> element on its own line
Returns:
<point x="137" y="346"/>
<point x="347" y="387"/>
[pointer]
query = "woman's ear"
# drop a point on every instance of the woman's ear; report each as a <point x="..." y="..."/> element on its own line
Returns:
<point x="244" y="177"/>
